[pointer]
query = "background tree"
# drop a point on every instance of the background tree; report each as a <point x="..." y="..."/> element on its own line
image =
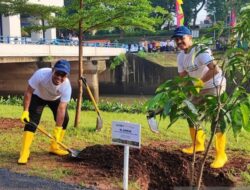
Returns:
<point x="9" y="7"/>
<point x="168" y="5"/>
<point x="217" y="9"/>
<point x="38" y="12"/>
<point x="191" y="9"/>
<point x="220" y="9"/>
<point x="109" y="14"/>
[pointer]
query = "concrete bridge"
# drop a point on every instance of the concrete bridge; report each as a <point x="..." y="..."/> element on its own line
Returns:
<point x="19" y="61"/>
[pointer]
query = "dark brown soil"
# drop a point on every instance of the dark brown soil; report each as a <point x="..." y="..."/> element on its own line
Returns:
<point x="7" y="123"/>
<point x="150" y="167"/>
<point x="156" y="166"/>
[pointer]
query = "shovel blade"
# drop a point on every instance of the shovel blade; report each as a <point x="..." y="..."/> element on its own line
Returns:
<point x="99" y="123"/>
<point x="74" y="153"/>
<point x="152" y="123"/>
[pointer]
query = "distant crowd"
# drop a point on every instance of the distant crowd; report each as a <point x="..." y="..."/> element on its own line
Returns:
<point x="145" y="45"/>
<point x="152" y="46"/>
<point x="155" y="46"/>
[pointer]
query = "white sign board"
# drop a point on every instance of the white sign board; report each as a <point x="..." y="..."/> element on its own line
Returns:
<point x="126" y="133"/>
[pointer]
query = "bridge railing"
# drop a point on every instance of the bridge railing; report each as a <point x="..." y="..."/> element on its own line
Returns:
<point x="61" y="42"/>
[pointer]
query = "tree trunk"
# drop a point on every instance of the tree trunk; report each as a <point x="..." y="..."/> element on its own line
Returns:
<point x="43" y="25"/>
<point x="197" y="10"/>
<point x="195" y="17"/>
<point x="122" y="34"/>
<point x="214" y="126"/>
<point x="80" y="71"/>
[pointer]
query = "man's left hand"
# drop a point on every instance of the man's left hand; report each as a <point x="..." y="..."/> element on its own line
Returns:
<point x="199" y="84"/>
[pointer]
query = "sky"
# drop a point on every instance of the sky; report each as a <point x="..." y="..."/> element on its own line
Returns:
<point x="201" y="16"/>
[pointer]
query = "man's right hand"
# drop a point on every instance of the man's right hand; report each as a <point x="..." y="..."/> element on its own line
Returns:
<point x="25" y="117"/>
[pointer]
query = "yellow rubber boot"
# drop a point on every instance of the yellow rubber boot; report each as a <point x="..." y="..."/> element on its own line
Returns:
<point x="220" y="145"/>
<point x="199" y="144"/>
<point x="62" y="135"/>
<point x="54" y="147"/>
<point x="61" y="139"/>
<point x="25" y="151"/>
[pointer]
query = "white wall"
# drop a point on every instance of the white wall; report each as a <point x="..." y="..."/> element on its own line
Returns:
<point x="11" y="26"/>
<point x="59" y="3"/>
<point x="20" y="50"/>
<point x="35" y="36"/>
<point x="50" y="33"/>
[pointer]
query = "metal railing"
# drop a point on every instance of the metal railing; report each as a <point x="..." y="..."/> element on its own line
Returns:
<point x="61" y="42"/>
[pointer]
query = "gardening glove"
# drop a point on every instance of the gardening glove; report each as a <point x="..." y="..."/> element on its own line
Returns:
<point x="199" y="84"/>
<point x="25" y="117"/>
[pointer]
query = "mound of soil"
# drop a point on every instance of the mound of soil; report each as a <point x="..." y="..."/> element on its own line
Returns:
<point x="152" y="168"/>
<point x="156" y="166"/>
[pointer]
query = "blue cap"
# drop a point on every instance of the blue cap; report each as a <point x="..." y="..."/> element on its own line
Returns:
<point x="62" y="65"/>
<point x="181" y="31"/>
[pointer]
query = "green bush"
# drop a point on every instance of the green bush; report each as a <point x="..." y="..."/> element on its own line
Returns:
<point x="15" y="100"/>
<point x="86" y="105"/>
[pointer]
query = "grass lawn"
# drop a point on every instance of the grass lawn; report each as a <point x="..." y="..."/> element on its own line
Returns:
<point x="168" y="59"/>
<point x="164" y="59"/>
<point x="85" y="135"/>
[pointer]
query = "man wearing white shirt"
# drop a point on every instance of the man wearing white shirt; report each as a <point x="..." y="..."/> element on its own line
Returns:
<point x="210" y="80"/>
<point x="49" y="87"/>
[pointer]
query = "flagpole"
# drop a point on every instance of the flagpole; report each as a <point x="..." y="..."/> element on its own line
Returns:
<point x="214" y="24"/>
<point x="179" y="13"/>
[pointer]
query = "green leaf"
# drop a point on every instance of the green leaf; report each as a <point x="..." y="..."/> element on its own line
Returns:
<point x="223" y="125"/>
<point x="164" y="86"/>
<point x="172" y="122"/>
<point x="236" y="121"/>
<point x="173" y="114"/>
<point x="245" y="116"/>
<point x="118" y="60"/>
<point x="167" y="107"/>
<point x="154" y="103"/>
<point x="191" y="106"/>
<point x="224" y="97"/>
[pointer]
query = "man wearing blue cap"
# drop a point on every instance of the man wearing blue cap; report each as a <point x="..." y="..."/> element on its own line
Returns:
<point x="46" y="87"/>
<point x="200" y="64"/>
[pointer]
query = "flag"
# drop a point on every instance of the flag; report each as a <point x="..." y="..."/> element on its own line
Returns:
<point x="179" y="13"/>
<point x="233" y="18"/>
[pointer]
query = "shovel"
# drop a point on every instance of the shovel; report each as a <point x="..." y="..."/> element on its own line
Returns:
<point x="73" y="153"/>
<point x="99" y="122"/>
<point x="152" y="123"/>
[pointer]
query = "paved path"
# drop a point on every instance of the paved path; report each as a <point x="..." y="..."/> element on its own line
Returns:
<point x="15" y="181"/>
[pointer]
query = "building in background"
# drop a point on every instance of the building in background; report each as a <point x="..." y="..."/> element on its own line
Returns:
<point x="1" y="30"/>
<point x="10" y="26"/>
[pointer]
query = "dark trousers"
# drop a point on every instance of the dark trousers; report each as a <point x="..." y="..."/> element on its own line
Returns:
<point x="36" y="108"/>
<point x="199" y="100"/>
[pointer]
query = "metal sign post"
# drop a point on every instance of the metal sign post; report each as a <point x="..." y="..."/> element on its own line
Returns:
<point x="125" y="167"/>
<point x="126" y="134"/>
